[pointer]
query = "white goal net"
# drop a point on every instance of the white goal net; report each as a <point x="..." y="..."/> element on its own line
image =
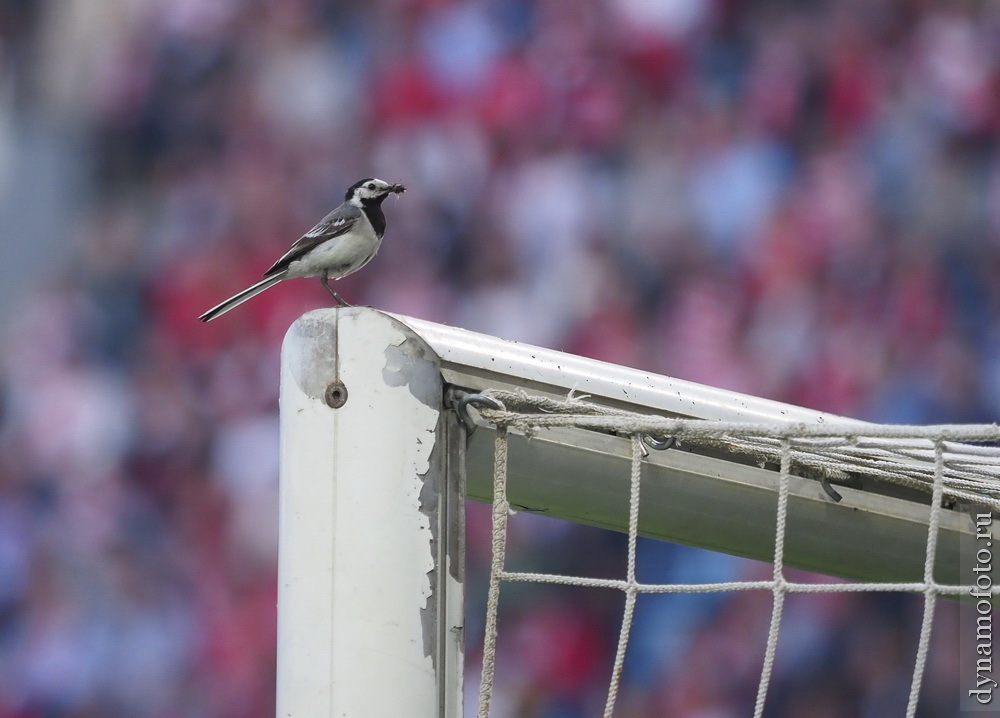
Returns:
<point x="926" y="459"/>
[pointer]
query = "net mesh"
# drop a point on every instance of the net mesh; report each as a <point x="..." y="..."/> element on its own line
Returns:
<point x="929" y="459"/>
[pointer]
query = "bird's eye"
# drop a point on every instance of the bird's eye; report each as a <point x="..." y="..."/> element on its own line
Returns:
<point x="370" y="185"/>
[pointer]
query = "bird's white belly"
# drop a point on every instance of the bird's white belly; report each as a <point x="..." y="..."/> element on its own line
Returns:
<point x="339" y="256"/>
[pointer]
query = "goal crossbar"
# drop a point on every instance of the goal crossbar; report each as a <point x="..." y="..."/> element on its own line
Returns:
<point x="709" y="499"/>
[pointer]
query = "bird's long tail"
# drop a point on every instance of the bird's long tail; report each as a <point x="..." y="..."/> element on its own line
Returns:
<point x="235" y="301"/>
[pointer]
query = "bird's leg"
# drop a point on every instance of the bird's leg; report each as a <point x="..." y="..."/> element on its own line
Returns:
<point x="326" y="283"/>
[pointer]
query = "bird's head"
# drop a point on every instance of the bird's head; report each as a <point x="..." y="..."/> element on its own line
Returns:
<point x="371" y="190"/>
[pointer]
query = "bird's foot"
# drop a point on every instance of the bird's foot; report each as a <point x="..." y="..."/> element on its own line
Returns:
<point x="325" y="281"/>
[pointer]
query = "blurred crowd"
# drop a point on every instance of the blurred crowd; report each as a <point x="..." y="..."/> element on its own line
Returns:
<point x="798" y="199"/>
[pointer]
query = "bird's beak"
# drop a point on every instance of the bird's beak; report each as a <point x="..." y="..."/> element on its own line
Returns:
<point x="397" y="188"/>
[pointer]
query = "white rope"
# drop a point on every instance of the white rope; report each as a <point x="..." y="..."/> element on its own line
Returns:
<point x="499" y="548"/>
<point x="897" y="454"/>
<point x="778" y="583"/>
<point x="930" y="590"/>
<point x="728" y="586"/>
<point x="926" y="458"/>
<point x="631" y="587"/>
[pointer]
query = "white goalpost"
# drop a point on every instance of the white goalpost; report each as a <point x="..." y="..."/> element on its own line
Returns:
<point x="389" y="423"/>
<point x="370" y="525"/>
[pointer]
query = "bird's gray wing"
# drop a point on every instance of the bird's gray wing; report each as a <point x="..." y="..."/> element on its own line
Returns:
<point x="338" y="222"/>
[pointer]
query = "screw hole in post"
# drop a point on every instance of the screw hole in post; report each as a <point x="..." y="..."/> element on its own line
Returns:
<point x="336" y="394"/>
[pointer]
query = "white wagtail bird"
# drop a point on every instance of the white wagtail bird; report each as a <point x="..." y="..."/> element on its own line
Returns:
<point x="342" y="243"/>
